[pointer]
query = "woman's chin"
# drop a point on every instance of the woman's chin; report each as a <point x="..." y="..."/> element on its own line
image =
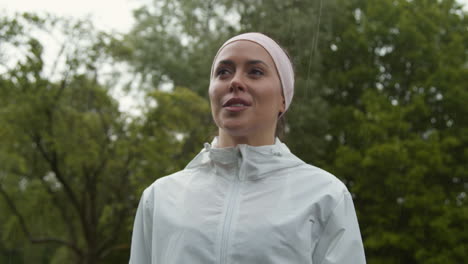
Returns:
<point x="235" y="128"/>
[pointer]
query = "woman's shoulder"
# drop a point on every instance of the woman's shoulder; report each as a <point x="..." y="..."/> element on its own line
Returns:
<point x="313" y="176"/>
<point x="163" y="182"/>
<point x="318" y="182"/>
<point x="319" y="189"/>
<point x="317" y="174"/>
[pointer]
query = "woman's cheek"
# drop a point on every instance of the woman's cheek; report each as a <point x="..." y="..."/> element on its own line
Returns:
<point x="212" y="97"/>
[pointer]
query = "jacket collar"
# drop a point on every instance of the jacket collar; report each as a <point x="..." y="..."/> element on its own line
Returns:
<point x="245" y="162"/>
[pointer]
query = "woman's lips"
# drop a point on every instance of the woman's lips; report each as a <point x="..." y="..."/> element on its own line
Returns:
<point x="236" y="104"/>
<point x="236" y="108"/>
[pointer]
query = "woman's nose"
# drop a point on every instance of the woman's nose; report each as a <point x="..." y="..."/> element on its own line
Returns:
<point x="237" y="83"/>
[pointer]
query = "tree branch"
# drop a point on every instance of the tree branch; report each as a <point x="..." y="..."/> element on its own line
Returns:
<point x="54" y="167"/>
<point x="56" y="61"/>
<point x="115" y="233"/>
<point x="54" y="196"/>
<point x="52" y="161"/>
<point x="61" y="209"/>
<point x="121" y="246"/>
<point x="105" y="247"/>
<point x="26" y="231"/>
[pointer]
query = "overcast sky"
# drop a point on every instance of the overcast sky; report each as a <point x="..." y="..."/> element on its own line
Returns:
<point x="107" y="14"/>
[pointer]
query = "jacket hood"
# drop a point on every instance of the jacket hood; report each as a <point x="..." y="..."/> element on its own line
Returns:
<point x="253" y="162"/>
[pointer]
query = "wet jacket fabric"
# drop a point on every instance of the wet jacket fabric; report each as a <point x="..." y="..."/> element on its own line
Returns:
<point x="247" y="205"/>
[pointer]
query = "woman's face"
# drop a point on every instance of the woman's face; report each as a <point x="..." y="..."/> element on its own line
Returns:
<point x="245" y="92"/>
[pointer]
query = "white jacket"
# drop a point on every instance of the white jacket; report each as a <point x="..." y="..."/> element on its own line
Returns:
<point x="249" y="205"/>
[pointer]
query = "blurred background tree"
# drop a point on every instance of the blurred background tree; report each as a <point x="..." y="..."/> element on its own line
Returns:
<point x="380" y="102"/>
<point x="72" y="164"/>
<point x="64" y="150"/>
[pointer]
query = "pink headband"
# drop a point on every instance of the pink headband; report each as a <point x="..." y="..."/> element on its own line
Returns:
<point x="280" y="58"/>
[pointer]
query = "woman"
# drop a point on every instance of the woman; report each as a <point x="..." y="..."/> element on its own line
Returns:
<point x="245" y="198"/>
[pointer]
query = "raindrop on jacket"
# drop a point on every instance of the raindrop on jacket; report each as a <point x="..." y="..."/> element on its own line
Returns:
<point x="247" y="205"/>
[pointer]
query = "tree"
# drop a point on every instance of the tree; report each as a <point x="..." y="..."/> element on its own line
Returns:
<point x="72" y="166"/>
<point x="172" y="130"/>
<point x="65" y="154"/>
<point x="171" y="40"/>
<point x="394" y="70"/>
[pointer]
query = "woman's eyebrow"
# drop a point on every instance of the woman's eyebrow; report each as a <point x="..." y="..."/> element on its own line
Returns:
<point x="250" y="62"/>
<point x="226" y="62"/>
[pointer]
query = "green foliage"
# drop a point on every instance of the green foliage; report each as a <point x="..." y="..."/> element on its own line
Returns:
<point x="72" y="166"/>
<point x="171" y="40"/>
<point x="391" y="127"/>
<point x="64" y="178"/>
<point x="172" y="131"/>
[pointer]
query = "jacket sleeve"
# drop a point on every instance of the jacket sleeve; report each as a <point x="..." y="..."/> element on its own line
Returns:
<point x="340" y="241"/>
<point x="140" y="252"/>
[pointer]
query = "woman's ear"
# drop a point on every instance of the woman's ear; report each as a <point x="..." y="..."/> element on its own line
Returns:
<point x="283" y="105"/>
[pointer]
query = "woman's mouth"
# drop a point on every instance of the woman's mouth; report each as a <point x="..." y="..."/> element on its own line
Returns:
<point x="236" y="104"/>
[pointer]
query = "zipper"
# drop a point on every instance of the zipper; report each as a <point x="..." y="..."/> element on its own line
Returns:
<point x="232" y="198"/>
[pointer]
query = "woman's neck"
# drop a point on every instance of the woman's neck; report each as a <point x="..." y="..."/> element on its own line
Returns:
<point x="226" y="140"/>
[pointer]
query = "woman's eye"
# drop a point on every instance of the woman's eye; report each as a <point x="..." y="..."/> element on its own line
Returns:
<point x="256" y="72"/>
<point x="222" y="72"/>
